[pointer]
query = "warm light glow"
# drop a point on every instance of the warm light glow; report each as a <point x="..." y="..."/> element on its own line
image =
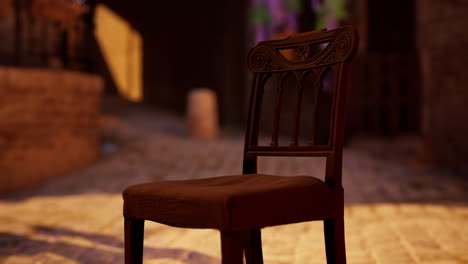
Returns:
<point x="121" y="46"/>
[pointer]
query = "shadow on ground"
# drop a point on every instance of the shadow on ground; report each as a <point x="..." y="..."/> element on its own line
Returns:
<point x="99" y="248"/>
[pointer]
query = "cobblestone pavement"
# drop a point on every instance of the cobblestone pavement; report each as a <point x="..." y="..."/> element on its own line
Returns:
<point x="397" y="211"/>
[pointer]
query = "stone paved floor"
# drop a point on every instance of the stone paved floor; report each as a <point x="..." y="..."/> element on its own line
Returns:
<point x="397" y="211"/>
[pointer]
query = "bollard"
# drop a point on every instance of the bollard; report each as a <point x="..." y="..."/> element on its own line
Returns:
<point x="202" y="114"/>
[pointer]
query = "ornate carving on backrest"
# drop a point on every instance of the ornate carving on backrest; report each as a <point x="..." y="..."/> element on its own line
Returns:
<point x="309" y="57"/>
<point x="266" y="56"/>
<point x="303" y="52"/>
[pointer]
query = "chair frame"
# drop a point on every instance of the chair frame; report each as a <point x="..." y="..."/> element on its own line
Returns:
<point x="265" y="60"/>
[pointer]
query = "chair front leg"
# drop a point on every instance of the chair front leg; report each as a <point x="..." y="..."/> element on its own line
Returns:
<point x="134" y="233"/>
<point x="232" y="247"/>
<point x="335" y="241"/>
<point x="253" y="247"/>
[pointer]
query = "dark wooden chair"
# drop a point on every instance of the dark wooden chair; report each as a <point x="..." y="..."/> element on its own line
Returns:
<point x="240" y="205"/>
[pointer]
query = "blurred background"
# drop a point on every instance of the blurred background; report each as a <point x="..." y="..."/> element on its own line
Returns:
<point x="59" y="58"/>
<point x="99" y="94"/>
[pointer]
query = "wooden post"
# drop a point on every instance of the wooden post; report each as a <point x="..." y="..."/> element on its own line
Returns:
<point x="202" y="114"/>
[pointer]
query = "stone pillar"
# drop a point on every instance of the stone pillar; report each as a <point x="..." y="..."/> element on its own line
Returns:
<point x="443" y="42"/>
<point x="202" y="114"/>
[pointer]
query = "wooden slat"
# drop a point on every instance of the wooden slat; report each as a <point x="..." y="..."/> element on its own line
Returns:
<point x="297" y="116"/>
<point x="256" y="107"/>
<point x="317" y="86"/>
<point x="277" y="114"/>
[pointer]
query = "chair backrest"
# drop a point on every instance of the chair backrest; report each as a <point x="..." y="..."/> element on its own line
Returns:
<point x="308" y="57"/>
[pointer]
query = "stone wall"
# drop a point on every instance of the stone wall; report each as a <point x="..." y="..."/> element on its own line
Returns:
<point x="443" y="41"/>
<point x="48" y="124"/>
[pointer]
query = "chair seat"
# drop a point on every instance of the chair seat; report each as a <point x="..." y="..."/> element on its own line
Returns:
<point x="236" y="202"/>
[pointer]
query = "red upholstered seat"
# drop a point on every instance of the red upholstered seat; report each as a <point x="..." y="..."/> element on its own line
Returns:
<point x="230" y="202"/>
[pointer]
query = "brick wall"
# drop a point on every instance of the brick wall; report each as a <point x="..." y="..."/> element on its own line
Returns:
<point x="443" y="43"/>
<point x="48" y="124"/>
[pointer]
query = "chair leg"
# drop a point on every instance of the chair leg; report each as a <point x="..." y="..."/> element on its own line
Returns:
<point x="253" y="247"/>
<point x="134" y="233"/>
<point x="335" y="241"/>
<point x="232" y="247"/>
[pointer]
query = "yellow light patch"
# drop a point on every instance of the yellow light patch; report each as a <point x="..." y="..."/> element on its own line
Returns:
<point x="121" y="46"/>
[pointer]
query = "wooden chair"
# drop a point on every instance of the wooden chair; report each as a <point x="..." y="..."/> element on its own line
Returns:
<point x="240" y="205"/>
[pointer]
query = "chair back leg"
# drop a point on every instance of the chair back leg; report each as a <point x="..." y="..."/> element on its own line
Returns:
<point x="335" y="241"/>
<point x="134" y="233"/>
